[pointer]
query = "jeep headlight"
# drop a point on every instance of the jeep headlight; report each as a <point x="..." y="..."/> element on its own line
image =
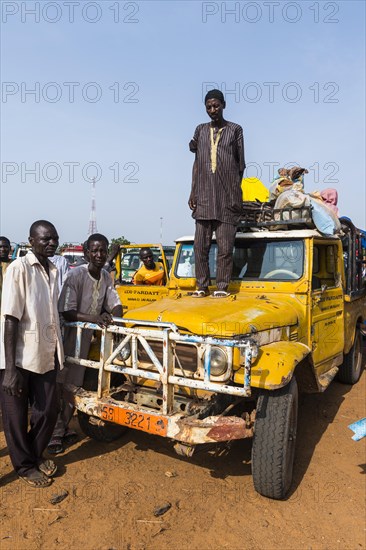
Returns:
<point x="255" y="352"/>
<point x="254" y="349"/>
<point x="219" y="361"/>
<point x="125" y="352"/>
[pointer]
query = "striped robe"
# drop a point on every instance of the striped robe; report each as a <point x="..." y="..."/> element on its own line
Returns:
<point x="218" y="195"/>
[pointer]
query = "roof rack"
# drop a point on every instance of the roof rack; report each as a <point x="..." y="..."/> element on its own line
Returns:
<point x="255" y="214"/>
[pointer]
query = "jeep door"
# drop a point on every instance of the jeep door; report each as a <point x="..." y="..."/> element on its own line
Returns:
<point x="327" y="306"/>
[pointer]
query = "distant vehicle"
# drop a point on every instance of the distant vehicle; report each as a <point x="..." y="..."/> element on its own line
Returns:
<point x="19" y="250"/>
<point x="72" y="253"/>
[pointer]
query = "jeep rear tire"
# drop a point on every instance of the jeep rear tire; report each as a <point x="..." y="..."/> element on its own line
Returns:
<point x="274" y="441"/>
<point x="351" y="368"/>
<point x="98" y="429"/>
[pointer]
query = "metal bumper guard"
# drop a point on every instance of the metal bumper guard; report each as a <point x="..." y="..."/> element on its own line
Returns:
<point x="166" y="422"/>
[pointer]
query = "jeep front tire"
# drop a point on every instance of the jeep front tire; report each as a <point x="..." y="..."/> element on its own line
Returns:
<point x="274" y="441"/>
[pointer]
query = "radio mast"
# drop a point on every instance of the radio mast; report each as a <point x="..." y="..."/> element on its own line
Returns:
<point x="93" y="214"/>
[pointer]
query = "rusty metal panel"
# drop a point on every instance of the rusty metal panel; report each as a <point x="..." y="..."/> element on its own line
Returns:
<point x="213" y="429"/>
<point x="187" y="430"/>
<point x="167" y="334"/>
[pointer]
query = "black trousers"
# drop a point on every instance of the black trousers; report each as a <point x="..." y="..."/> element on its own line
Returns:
<point x="225" y="238"/>
<point x="26" y="446"/>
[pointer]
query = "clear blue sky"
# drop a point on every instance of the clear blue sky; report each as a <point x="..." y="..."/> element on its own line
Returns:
<point x="293" y="74"/>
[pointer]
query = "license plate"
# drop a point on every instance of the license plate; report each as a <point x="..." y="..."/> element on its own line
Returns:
<point x="145" y="422"/>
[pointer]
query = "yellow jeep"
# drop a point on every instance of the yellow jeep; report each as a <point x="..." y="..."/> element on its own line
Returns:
<point x="210" y="370"/>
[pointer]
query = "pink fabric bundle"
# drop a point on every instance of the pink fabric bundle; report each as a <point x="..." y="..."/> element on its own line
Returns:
<point x="330" y="197"/>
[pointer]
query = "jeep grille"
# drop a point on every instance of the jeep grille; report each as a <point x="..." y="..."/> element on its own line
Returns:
<point x="185" y="356"/>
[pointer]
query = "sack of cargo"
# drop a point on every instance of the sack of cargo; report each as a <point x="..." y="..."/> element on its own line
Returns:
<point x="288" y="179"/>
<point x="254" y="190"/>
<point x="296" y="200"/>
<point x="325" y="220"/>
<point x="330" y="197"/>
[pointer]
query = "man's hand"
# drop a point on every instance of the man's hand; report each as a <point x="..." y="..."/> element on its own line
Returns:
<point x="192" y="202"/>
<point x="12" y="382"/>
<point x="104" y="319"/>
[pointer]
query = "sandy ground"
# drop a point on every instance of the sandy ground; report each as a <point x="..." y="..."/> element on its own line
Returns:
<point x="114" y="489"/>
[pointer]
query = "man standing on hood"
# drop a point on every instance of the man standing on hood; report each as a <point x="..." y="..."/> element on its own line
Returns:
<point x="216" y="196"/>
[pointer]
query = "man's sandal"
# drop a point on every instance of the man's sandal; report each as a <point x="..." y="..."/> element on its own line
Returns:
<point x="55" y="446"/>
<point x="220" y="294"/>
<point x="200" y="294"/>
<point x="70" y="437"/>
<point x="47" y="467"/>
<point x="37" y="479"/>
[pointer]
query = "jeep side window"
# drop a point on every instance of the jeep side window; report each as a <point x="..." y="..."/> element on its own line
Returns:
<point x="315" y="280"/>
<point x="324" y="266"/>
<point x="330" y="260"/>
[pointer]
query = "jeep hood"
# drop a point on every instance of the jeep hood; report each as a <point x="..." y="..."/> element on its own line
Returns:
<point x="236" y="314"/>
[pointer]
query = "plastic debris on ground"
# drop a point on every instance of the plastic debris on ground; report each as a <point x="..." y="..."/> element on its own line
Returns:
<point x="359" y="428"/>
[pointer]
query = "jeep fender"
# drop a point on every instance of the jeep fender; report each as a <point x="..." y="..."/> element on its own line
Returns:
<point x="275" y="365"/>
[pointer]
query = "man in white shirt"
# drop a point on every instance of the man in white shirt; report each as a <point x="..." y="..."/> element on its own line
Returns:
<point x="31" y="356"/>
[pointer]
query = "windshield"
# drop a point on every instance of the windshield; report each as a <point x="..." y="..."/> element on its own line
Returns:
<point x="262" y="259"/>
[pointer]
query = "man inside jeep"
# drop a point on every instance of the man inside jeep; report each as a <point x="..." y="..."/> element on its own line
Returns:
<point x="150" y="273"/>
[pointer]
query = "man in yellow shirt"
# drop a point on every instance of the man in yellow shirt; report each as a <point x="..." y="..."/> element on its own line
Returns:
<point x="150" y="273"/>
